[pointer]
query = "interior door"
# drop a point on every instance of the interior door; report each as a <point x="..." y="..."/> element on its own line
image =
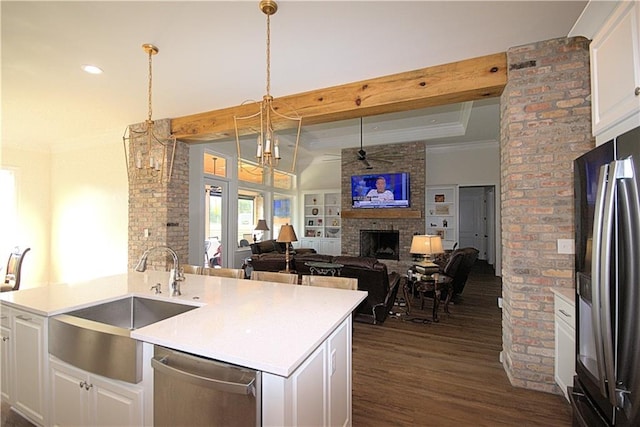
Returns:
<point x="473" y="225"/>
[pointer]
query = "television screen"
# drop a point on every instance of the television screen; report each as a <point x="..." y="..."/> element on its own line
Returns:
<point x="386" y="190"/>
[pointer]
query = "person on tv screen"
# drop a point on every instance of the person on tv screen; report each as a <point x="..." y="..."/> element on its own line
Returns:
<point x="380" y="193"/>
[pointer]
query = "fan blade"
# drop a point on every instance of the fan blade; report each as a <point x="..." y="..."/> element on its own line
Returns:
<point x="366" y="163"/>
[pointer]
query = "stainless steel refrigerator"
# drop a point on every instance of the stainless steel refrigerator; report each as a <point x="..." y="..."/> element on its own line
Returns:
<point x="606" y="388"/>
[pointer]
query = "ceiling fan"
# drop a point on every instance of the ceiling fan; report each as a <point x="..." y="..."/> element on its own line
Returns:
<point x="362" y="155"/>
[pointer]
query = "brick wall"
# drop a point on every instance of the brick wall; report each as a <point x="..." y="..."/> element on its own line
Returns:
<point x="157" y="206"/>
<point x="545" y="125"/>
<point x="411" y="159"/>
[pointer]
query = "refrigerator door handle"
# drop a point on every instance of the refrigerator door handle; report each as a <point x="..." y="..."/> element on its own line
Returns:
<point x="617" y="170"/>
<point x="596" y="276"/>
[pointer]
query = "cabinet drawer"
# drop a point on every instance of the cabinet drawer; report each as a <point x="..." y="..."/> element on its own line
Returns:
<point x="565" y="311"/>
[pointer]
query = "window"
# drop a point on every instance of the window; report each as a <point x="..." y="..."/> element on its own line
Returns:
<point x="250" y="172"/>
<point x="250" y="210"/>
<point x="283" y="180"/>
<point x="281" y="212"/>
<point x="8" y="213"/>
<point x="215" y="165"/>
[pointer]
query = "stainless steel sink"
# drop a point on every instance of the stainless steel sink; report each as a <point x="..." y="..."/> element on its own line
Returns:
<point x="98" y="338"/>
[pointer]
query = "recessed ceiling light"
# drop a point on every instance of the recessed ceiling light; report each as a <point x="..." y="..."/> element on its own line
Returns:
<point x="91" y="69"/>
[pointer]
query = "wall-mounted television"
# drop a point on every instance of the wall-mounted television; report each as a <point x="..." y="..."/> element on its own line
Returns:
<point x="384" y="190"/>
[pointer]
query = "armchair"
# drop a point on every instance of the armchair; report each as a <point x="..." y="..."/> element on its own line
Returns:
<point x="14" y="270"/>
<point x="459" y="266"/>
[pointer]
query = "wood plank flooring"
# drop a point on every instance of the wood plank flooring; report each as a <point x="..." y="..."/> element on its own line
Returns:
<point x="446" y="373"/>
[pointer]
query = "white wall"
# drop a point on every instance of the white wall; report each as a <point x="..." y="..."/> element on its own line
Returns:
<point x="469" y="165"/>
<point x="320" y="175"/>
<point x="89" y="216"/>
<point x="33" y="176"/>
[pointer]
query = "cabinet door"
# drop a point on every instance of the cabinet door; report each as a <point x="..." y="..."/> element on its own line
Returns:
<point x="339" y="376"/>
<point x="5" y="363"/>
<point x="565" y="355"/>
<point x="30" y="377"/>
<point x="113" y="404"/>
<point x="309" y="390"/>
<point x="69" y="396"/>
<point x="615" y="68"/>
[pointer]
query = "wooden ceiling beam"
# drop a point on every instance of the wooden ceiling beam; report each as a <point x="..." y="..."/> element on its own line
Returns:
<point x="468" y="80"/>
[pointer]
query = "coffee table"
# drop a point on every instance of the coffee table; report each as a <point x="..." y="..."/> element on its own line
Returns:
<point x="324" y="268"/>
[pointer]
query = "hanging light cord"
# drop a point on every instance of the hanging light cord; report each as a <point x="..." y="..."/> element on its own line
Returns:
<point x="268" y="54"/>
<point x="150" y="84"/>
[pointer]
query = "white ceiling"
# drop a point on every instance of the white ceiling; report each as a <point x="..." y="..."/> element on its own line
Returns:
<point x="212" y="56"/>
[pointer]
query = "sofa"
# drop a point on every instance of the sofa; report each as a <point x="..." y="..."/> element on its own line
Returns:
<point x="372" y="275"/>
<point x="270" y="255"/>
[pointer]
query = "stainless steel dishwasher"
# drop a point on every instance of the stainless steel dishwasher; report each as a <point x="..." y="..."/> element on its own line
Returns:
<point x="195" y="391"/>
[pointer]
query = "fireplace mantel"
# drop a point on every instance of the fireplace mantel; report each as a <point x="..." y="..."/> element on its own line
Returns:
<point x="381" y="213"/>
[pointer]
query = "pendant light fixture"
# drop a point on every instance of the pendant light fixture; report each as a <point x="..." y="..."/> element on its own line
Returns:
<point x="268" y="144"/>
<point x="151" y="158"/>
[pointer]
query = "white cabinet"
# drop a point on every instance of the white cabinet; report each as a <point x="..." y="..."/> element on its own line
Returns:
<point x="442" y="213"/>
<point x="82" y="398"/>
<point x="322" y="222"/>
<point x="565" y="340"/>
<point x="318" y="393"/>
<point x="29" y="365"/>
<point x="6" y="341"/>
<point x="615" y="73"/>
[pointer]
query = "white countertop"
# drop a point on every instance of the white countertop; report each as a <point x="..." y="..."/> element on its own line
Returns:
<point x="567" y="294"/>
<point x="271" y="327"/>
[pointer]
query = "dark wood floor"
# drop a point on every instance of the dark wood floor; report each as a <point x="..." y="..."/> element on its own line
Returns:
<point x="447" y="373"/>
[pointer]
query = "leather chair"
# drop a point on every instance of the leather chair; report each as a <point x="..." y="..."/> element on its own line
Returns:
<point x="459" y="266"/>
<point x="14" y="270"/>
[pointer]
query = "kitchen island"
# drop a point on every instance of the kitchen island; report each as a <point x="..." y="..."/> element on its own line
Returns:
<point x="273" y="328"/>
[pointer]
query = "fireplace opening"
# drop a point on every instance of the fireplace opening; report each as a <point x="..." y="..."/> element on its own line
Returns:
<point x="380" y="244"/>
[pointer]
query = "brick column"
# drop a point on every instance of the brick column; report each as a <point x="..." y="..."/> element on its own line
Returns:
<point x="545" y="125"/>
<point x="158" y="206"/>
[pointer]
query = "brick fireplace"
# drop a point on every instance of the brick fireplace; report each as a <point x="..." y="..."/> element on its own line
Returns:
<point x="406" y="222"/>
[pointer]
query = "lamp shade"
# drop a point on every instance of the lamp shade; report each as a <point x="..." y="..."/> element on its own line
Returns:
<point x="426" y="245"/>
<point x="287" y="234"/>
<point x="262" y="225"/>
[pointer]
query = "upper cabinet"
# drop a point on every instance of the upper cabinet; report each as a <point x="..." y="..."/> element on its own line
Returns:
<point x="615" y="73"/>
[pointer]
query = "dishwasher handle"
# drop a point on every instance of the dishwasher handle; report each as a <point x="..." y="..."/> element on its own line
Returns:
<point x="161" y="365"/>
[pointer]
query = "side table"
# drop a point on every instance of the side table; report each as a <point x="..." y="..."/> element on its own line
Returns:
<point x="436" y="284"/>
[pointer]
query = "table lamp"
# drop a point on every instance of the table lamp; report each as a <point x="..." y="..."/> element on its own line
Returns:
<point x="426" y="245"/>
<point x="287" y="235"/>
<point x="261" y="226"/>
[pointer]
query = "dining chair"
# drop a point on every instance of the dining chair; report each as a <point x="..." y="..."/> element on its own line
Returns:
<point x="13" y="272"/>
<point x="234" y="273"/>
<point x="192" y="269"/>
<point x="270" y="276"/>
<point x="349" y="283"/>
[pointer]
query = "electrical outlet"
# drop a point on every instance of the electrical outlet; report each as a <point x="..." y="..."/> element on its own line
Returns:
<point x="499" y="302"/>
<point x="566" y="246"/>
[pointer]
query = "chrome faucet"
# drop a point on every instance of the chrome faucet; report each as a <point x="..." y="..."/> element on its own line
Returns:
<point x="175" y="276"/>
